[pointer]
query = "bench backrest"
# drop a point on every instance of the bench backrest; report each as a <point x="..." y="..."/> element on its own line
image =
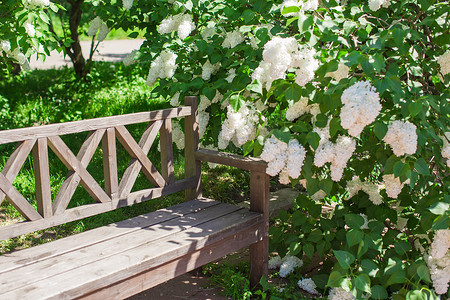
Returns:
<point x="115" y="194"/>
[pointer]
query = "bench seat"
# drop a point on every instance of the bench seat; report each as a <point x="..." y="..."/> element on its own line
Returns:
<point x="124" y="258"/>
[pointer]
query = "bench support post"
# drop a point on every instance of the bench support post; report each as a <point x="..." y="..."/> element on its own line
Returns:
<point x="259" y="202"/>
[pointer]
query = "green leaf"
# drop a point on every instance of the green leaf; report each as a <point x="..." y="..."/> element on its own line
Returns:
<point x="354" y="236"/>
<point x="414" y="108"/>
<point x="369" y="267"/>
<point x="362" y="282"/>
<point x="400" y="169"/>
<point x="133" y="35"/>
<point x="283" y="135"/>
<point x="402" y="247"/>
<point x="354" y="221"/>
<point x="335" y="126"/>
<point x="236" y="102"/>
<point x="416" y="295"/>
<point x="442" y="222"/>
<point x="439" y="208"/>
<point x="379" y="292"/>
<point x="290" y="9"/>
<point x="380" y="130"/>
<point x="422" y="167"/>
<point x="335" y="279"/>
<point x="345" y="258"/>
<point x="304" y="22"/>
<point x="398" y="276"/>
<point x="309" y="250"/>
<point x="313" y="139"/>
<point x="293" y="92"/>
<point x="322" y="120"/>
<point x="424" y="273"/>
<point x="256" y="87"/>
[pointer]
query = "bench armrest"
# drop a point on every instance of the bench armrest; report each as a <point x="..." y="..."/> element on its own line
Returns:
<point x="233" y="160"/>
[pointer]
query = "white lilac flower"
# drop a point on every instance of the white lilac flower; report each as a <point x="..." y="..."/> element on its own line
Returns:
<point x="371" y="189"/>
<point x="5" y="46"/>
<point x="163" y="66"/>
<point x="281" y="54"/>
<point x="446" y="148"/>
<point x="337" y="154"/>
<point x="283" y="177"/>
<point x="35" y="3"/>
<point x="29" y="28"/>
<point x="230" y="75"/>
<point x="308" y="285"/>
<point x="203" y="119"/>
<point x="209" y="69"/>
<point x="361" y="107"/>
<point x="297" y="109"/>
<point x="438" y="261"/>
<point x="340" y="73"/>
<point x="240" y="126"/>
<point x="178" y="135"/>
<point x="103" y="32"/>
<point x="94" y="26"/>
<point x="402" y="137"/>
<point x="375" y="5"/>
<point x="18" y="56"/>
<point x="303" y="5"/>
<point x="283" y="157"/>
<point x="218" y="97"/>
<point x="393" y="185"/>
<point x="181" y="23"/>
<point x="232" y="39"/>
<point x="338" y="293"/>
<point x="208" y="32"/>
<point x="204" y="103"/>
<point x="444" y="62"/>
<point x="175" y="100"/>
<point x="129" y="59"/>
<point x="275" y="262"/>
<point x="127" y="4"/>
<point x="289" y="264"/>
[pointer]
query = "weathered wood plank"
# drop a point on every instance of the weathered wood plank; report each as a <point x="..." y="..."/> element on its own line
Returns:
<point x="132" y="172"/>
<point x="259" y="202"/>
<point x="77" y="213"/>
<point x="38" y="253"/>
<point x="22" y="134"/>
<point x="110" y="163"/>
<point x="233" y="160"/>
<point x="72" y="181"/>
<point x="15" y="162"/>
<point x="109" y="248"/>
<point x="109" y="270"/>
<point x="174" y="268"/>
<point x="167" y="152"/>
<point x="42" y="178"/>
<point x="18" y="200"/>
<point x="135" y="151"/>
<point x="192" y="167"/>
<point x="72" y="163"/>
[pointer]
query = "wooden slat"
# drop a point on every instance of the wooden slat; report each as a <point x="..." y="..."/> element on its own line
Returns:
<point x="42" y="178"/>
<point x="167" y="152"/>
<point x="259" y="202"/>
<point x="72" y="181"/>
<point x="108" y="270"/>
<point x="22" y="134"/>
<point x="17" y="200"/>
<point x="27" y="256"/>
<point x="132" y="172"/>
<point x="135" y="151"/>
<point x="112" y="247"/>
<point x="110" y="163"/>
<point x="148" y="194"/>
<point x="77" y="213"/>
<point x="15" y="162"/>
<point x="192" y="167"/>
<point x="233" y="160"/>
<point x="148" y="279"/>
<point x="72" y="163"/>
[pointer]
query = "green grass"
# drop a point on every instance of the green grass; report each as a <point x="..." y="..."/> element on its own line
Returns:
<point x="53" y="96"/>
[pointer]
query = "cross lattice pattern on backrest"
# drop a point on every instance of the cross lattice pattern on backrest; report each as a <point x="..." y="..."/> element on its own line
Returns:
<point x="115" y="194"/>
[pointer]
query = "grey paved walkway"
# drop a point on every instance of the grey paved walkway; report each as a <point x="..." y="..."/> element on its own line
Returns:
<point x="114" y="50"/>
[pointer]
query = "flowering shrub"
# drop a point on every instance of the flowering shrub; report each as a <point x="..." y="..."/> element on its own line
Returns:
<point x="349" y="99"/>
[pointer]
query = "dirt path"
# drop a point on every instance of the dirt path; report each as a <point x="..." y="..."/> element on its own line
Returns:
<point x="114" y="50"/>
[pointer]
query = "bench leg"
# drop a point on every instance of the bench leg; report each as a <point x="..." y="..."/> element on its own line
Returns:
<point x="259" y="255"/>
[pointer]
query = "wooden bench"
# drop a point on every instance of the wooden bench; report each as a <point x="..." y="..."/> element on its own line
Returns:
<point x="124" y="258"/>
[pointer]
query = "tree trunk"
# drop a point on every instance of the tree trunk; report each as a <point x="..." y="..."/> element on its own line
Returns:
<point x="74" y="50"/>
